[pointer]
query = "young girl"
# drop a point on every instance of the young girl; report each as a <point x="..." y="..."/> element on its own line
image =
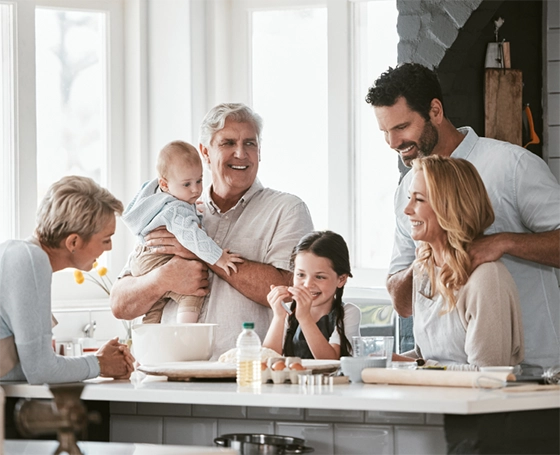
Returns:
<point x="310" y="319"/>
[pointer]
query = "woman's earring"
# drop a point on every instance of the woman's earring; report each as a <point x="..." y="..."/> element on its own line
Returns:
<point x="73" y="251"/>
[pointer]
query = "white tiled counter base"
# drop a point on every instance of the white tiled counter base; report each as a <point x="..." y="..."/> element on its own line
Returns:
<point x="329" y="432"/>
<point x="346" y="419"/>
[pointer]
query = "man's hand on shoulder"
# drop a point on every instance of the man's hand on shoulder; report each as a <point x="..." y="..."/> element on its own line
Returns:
<point x="487" y="248"/>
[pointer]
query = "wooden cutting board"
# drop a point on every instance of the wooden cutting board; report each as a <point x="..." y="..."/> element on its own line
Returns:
<point x="503" y="104"/>
<point x="185" y="371"/>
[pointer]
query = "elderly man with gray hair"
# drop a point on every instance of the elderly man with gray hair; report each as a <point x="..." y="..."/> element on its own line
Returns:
<point x="240" y="214"/>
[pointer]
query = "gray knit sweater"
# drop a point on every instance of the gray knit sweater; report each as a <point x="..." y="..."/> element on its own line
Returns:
<point x="25" y="313"/>
<point x="151" y="208"/>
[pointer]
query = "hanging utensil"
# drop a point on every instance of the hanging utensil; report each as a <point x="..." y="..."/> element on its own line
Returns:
<point x="530" y="125"/>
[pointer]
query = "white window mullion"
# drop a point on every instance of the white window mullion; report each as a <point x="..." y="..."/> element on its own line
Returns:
<point x="340" y="201"/>
<point x="25" y="143"/>
<point x="8" y="194"/>
<point x="200" y="61"/>
<point x="224" y="23"/>
<point x="117" y="170"/>
<point x="135" y="99"/>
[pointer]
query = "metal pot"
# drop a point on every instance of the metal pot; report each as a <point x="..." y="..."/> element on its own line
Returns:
<point x="263" y="444"/>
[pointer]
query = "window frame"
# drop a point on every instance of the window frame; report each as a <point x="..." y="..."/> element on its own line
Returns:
<point x="228" y="64"/>
<point x="231" y="20"/>
<point x="25" y="130"/>
<point x="7" y="92"/>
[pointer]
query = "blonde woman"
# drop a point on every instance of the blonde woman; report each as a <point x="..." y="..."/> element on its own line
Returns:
<point x="462" y="320"/>
<point x="75" y="222"/>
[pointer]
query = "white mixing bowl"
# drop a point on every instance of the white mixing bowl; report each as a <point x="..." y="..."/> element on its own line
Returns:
<point x="153" y="344"/>
<point x="353" y="366"/>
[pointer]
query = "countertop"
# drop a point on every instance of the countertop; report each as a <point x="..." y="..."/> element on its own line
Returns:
<point x="365" y="397"/>
<point x="23" y="447"/>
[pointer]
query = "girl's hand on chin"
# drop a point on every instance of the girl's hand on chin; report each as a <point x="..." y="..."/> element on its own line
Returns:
<point x="304" y="301"/>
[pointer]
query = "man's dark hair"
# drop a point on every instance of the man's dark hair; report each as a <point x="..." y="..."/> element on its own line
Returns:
<point x="416" y="83"/>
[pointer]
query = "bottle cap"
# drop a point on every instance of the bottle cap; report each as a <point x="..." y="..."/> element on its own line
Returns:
<point x="248" y="325"/>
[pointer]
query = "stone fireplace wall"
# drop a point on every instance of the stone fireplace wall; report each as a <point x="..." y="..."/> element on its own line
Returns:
<point x="452" y="36"/>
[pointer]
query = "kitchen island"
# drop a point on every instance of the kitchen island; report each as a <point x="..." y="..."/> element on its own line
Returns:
<point x="24" y="447"/>
<point x="334" y="419"/>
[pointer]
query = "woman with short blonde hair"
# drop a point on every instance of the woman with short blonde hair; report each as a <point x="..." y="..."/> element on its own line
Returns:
<point x="74" y="204"/>
<point x="75" y="223"/>
<point x="463" y="318"/>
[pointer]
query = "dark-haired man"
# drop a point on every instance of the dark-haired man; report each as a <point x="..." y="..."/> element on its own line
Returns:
<point x="408" y="104"/>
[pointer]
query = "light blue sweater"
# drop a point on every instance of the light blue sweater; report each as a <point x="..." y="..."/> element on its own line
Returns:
<point x="151" y="208"/>
<point x="25" y="313"/>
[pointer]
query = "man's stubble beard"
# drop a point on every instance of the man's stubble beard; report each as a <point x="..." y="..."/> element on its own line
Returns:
<point x="426" y="144"/>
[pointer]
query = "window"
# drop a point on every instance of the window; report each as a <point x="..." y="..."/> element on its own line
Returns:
<point x="305" y="66"/>
<point x="61" y="110"/>
<point x="71" y="80"/>
<point x="289" y="62"/>
<point x="376" y="165"/>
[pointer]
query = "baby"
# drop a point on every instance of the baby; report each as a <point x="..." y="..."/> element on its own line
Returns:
<point x="170" y="201"/>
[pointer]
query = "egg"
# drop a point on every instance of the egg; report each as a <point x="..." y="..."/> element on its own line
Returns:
<point x="297" y="366"/>
<point x="263" y="366"/>
<point x="279" y="366"/>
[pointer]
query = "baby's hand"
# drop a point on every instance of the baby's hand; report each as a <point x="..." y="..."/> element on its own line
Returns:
<point x="227" y="261"/>
<point x="200" y="206"/>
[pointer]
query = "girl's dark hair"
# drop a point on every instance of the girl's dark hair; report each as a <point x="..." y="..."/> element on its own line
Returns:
<point x="331" y="246"/>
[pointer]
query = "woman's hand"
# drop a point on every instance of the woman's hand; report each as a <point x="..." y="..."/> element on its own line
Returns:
<point x="275" y="297"/>
<point x="163" y="241"/>
<point x="115" y="360"/>
<point x="402" y="358"/>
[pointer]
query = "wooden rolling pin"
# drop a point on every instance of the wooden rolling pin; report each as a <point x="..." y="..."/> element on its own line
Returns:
<point x="435" y="377"/>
